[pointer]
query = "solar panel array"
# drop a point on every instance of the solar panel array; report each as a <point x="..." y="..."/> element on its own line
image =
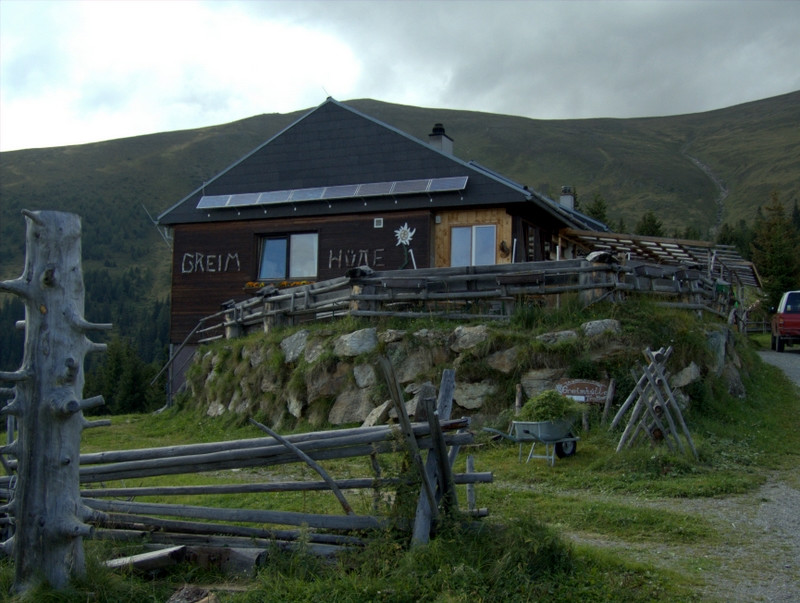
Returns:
<point x="326" y="193"/>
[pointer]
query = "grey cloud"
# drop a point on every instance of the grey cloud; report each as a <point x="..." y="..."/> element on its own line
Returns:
<point x="572" y="59"/>
<point x="541" y="59"/>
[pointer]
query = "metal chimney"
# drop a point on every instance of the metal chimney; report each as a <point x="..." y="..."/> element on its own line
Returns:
<point x="567" y="198"/>
<point x="439" y="140"/>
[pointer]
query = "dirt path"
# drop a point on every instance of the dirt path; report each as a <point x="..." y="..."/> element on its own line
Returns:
<point x="757" y="557"/>
<point x="788" y="362"/>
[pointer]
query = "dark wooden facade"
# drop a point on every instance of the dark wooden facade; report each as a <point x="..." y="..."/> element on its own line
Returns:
<point x="214" y="262"/>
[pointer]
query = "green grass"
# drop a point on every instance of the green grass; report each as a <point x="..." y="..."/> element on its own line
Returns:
<point x="521" y="561"/>
<point x="523" y="551"/>
<point x="169" y="428"/>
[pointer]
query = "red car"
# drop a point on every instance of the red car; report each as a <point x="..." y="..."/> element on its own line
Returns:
<point x="786" y="321"/>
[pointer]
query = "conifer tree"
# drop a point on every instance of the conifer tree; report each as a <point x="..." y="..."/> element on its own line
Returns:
<point x="776" y="250"/>
<point x="649" y="226"/>
<point x="597" y="209"/>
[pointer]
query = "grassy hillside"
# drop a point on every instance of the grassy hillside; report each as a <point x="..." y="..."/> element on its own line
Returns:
<point x="635" y="164"/>
<point x="645" y="524"/>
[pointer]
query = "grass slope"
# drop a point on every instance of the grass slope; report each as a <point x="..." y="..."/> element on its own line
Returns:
<point x="523" y="551"/>
<point x="637" y="165"/>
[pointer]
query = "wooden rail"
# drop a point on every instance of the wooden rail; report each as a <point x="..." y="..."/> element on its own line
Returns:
<point x="120" y="512"/>
<point x="464" y="293"/>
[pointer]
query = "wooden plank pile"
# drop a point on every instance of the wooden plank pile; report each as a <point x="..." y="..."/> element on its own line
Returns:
<point x="654" y="412"/>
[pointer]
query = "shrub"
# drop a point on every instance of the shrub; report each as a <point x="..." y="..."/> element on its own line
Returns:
<point x="549" y="406"/>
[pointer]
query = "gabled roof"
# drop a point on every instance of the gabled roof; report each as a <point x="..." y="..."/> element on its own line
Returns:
<point x="335" y="145"/>
<point x="588" y="222"/>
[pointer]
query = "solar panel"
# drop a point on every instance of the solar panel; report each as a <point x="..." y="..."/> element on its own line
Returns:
<point x="344" y="191"/>
<point x="375" y="189"/>
<point x="212" y="201"/>
<point x="340" y="192"/>
<point x="455" y="183"/>
<point x="405" y="187"/>
<point x="307" y="194"/>
<point x="273" y="197"/>
<point x="243" y="200"/>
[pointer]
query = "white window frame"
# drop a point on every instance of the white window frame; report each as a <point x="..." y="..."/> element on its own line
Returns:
<point x="475" y="229"/>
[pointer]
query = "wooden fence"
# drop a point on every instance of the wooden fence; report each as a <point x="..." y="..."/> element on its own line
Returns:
<point x="759" y="326"/>
<point x="120" y="515"/>
<point x="467" y="293"/>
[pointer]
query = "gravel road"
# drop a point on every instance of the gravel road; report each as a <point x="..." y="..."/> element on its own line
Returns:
<point x="760" y="560"/>
<point x="758" y="555"/>
<point x="788" y="361"/>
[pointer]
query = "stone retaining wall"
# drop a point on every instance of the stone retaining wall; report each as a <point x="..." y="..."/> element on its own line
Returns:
<point x="326" y="378"/>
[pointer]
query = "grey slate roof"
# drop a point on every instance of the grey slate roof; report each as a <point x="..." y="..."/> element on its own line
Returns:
<point x="334" y="144"/>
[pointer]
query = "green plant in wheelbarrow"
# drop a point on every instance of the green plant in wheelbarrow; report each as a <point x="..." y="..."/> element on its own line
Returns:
<point x="553" y="415"/>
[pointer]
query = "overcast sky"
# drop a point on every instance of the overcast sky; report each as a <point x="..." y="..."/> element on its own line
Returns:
<point x="75" y="72"/>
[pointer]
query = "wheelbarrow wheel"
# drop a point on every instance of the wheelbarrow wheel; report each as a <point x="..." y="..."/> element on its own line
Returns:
<point x="568" y="448"/>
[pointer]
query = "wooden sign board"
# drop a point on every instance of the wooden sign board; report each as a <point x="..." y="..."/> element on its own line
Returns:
<point x="583" y="390"/>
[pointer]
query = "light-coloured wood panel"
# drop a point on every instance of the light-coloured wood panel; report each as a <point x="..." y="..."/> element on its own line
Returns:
<point x="445" y="220"/>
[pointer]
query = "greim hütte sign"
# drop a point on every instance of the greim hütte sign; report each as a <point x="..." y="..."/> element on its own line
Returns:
<point x="583" y="390"/>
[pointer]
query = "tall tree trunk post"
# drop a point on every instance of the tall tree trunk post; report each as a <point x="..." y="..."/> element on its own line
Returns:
<point x="48" y="404"/>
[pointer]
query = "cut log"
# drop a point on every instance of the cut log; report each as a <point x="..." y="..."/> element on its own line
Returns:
<point x="157" y="467"/>
<point x="176" y="538"/>
<point x="425" y="513"/>
<point x="471" y="504"/>
<point x="346" y="484"/>
<point x="147" y="525"/>
<point x="311" y="463"/>
<point x="405" y="424"/>
<point x="332" y="522"/>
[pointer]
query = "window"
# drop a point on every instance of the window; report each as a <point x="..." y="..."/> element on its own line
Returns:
<point x="792" y="303"/>
<point x="288" y="257"/>
<point x="472" y="245"/>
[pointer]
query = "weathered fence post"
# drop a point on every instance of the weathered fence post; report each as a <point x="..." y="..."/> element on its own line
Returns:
<point x="48" y="404"/>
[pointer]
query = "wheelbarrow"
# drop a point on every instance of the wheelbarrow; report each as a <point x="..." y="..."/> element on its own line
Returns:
<point x="556" y="436"/>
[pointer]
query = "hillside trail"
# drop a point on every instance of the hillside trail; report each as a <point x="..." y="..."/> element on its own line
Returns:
<point x="718" y="182"/>
<point x="757" y="555"/>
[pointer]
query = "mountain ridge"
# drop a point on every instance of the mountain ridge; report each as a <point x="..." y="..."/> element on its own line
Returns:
<point x="636" y="164"/>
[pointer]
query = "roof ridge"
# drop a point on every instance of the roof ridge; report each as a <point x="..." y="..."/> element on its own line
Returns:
<point x="246" y="156"/>
<point x="471" y="167"/>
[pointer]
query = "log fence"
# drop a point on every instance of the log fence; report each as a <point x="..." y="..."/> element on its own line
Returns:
<point x="464" y="293"/>
<point x="53" y="497"/>
<point x="120" y="514"/>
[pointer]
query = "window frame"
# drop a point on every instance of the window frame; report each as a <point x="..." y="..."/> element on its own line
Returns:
<point x="474" y="230"/>
<point x="289" y="269"/>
